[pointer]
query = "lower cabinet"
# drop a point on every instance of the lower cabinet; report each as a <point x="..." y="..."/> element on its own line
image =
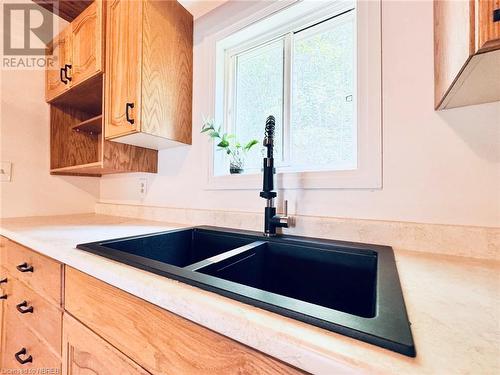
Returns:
<point x="100" y="329"/>
<point x="86" y="353"/>
<point x="159" y="341"/>
<point x="31" y="312"/>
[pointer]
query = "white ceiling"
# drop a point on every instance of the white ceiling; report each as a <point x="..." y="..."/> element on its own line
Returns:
<point x="199" y="7"/>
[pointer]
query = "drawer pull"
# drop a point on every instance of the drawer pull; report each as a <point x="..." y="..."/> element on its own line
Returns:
<point x="23" y="308"/>
<point x="25" y="360"/>
<point x="3" y="281"/>
<point x="4" y="296"/>
<point x="24" y="268"/>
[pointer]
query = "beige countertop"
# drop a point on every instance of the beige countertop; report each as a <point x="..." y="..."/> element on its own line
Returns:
<point x="453" y="303"/>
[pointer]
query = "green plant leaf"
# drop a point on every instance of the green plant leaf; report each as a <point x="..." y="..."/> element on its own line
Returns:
<point x="223" y="143"/>
<point x="214" y="134"/>
<point x="250" y="144"/>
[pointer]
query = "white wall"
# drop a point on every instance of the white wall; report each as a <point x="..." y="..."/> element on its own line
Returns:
<point x="24" y="141"/>
<point x="439" y="167"/>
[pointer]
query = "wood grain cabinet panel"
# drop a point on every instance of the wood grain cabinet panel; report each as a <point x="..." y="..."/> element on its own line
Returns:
<point x="60" y="51"/>
<point x="19" y="339"/>
<point x="123" y="67"/>
<point x="66" y="9"/>
<point x="31" y="325"/>
<point x="35" y="312"/>
<point x="113" y="99"/>
<point x="167" y="70"/>
<point x="159" y="341"/>
<point x="466" y="53"/>
<point x="86" y="353"/>
<point x="149" y="65"/>
<point x="2" y="307"/>
<point x="489" y="29"/>
<point x="3" y="285"/>
<point x="38" y="272"/>
<point x="87" y="43"/>
<point x="79" y="52"/>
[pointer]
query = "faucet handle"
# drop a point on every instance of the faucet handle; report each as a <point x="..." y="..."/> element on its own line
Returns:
<point x="287" y="221"/>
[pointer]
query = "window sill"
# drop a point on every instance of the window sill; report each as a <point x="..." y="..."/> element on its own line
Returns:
<point x="349" y="179"/>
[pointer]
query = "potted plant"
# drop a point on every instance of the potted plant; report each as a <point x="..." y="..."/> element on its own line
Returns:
<point x="228" y="143"/>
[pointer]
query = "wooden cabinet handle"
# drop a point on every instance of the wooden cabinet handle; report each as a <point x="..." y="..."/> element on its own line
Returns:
<point x="61" y="76"/>
<point x="24" y="267"/>
<point x="4" y="296"/>
<point x="127" y="107"/>
<point x="25" y="360"/>
<point x="496" y="15"/>
<point x="23" y="308"/>
<point x="66" y="67"/>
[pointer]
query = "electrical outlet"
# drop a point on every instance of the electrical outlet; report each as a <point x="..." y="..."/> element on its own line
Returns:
<point x="143" y="187"/>
<point x="5" y="171"/>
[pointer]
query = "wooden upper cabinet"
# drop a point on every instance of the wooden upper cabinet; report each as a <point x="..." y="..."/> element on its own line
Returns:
<point x="466" y="52"/>
<point x="60" y="50"/>
<point x="87" y="43"/>
<point x="123" y="67"/>
<point x="79" y="52"/>
<point x="489" y="25"/>
<point x="148" y="84"/>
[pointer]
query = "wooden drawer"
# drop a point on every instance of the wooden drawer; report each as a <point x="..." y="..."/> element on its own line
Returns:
<point x="3" y="286"/>
<point x="159" y="341"/>
<point x="3" y="245"/>
<point x="41" y="274"/>
<point x="16" y="337"/>
<point x="42" y="317"/>
<point x="86" y="353"/>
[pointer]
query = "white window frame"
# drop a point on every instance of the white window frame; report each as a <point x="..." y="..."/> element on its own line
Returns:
<point x="368" y="175"/>
<point x="230" y="87"/>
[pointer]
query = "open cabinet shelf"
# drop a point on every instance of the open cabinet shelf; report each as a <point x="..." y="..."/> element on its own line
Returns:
<point x="92" y="126"/>
<point x="77" y="145"/>
<point x="89" y="169"/>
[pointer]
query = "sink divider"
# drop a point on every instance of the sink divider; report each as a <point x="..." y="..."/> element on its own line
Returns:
<point x="228" y="254"/>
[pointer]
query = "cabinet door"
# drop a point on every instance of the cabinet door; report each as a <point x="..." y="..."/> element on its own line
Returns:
<point x="489" y="29"/>
<point x="86" y="353"/>
<point x="87" y="43"/>
<point x="60" y="50"/>
<point x="123" y="68"/>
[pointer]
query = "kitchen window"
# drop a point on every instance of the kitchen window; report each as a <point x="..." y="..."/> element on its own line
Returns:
<point x="316" y="68"/>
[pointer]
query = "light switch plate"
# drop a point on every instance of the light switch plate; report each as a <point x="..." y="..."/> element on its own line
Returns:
<point x="5" y="171"/>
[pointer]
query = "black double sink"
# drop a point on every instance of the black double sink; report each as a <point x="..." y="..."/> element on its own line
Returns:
<point x="348" y="288"/>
